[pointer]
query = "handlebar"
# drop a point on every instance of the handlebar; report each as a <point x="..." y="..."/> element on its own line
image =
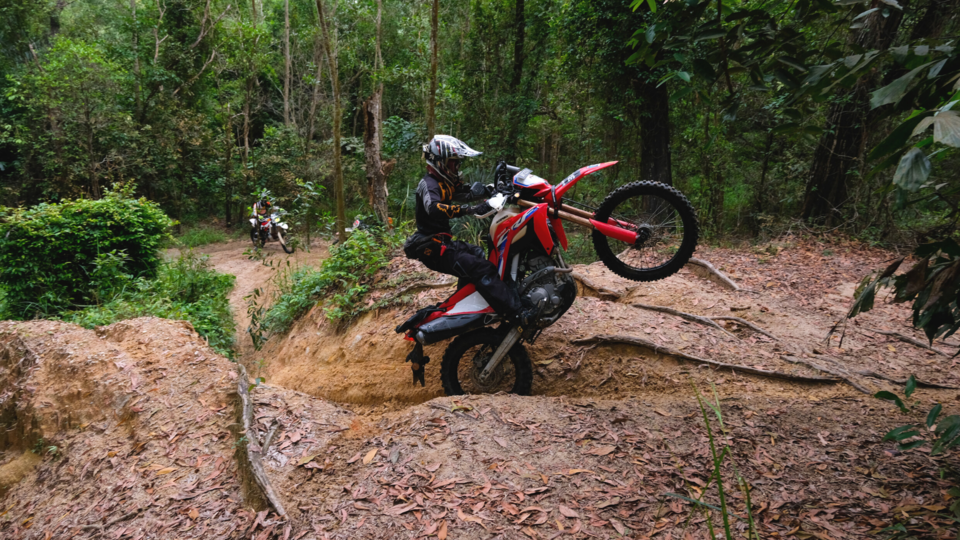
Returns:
<point x="511" y="169"/>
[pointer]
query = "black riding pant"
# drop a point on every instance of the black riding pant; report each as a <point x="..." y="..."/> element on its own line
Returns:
<point x="467" y="262"/>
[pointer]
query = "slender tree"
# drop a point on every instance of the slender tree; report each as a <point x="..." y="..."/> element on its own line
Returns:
<point x="432" y="96"/>
<point x="286" y="63"/>
<point x="330" y="48"/>
<point x="517" y="117"/>
<point x="373" y="136"/>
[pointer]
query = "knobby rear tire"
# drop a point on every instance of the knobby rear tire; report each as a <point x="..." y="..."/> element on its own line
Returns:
<point x="691" y="231"/>
<point x="450" y="367"/>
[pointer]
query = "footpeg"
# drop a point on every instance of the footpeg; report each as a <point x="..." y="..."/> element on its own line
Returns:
<point x="417" y="362"/>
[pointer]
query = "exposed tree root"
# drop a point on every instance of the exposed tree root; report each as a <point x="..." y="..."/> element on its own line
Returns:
<point x="601" y="291"/>
<point x="640" y="342"/>
<point x="837" y="370"/>
<point x="706" y="270"/>
<point x="748" y="324"/>
<point x="923" y="384"/>
<point x="906" y="339"/>
<point x="706" y="321"/>
<point x="250" y="449"/>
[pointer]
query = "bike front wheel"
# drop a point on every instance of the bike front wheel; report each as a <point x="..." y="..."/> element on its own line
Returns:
<point x="465" y="358"/>
<point x="257" y="239"/>
<point x="283" y="242"/>
<point x="666" y="226"/>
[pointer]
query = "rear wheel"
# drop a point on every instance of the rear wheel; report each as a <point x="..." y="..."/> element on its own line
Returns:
<point x="465" y="358"/>
<point x="666" y="226"/>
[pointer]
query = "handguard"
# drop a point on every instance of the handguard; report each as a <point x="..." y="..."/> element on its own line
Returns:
<point x="418" y="361"/>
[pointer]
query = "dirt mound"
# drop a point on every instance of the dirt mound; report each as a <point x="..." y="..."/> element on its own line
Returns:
<point x="123" y="431"/>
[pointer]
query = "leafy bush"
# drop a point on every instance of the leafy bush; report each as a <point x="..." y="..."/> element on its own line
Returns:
<point x="341" y="279"/>
<point x="53" y="256"/>
<point x="201" y="236"/>
<point x="186" y="289"/>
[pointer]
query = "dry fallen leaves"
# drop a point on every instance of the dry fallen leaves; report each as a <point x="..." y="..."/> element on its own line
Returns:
<point x="568" y="512"/>
<point x="369" y="457"/>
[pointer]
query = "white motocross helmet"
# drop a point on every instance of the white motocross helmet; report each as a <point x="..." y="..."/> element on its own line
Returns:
<point x="442" y="150"/>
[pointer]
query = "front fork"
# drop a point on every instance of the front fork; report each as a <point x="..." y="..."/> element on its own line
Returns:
<point x="417" y="362"/>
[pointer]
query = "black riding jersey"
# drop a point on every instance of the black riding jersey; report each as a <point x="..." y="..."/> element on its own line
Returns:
<point x="434" y="208"/>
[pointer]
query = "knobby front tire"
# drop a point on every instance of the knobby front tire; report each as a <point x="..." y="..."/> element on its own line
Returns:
<point x="459" y="374"/>
<point x="666" y="222"/>
<point x="283" y="242"/>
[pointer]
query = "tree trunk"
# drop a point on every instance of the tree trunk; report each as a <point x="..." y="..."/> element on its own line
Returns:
<point x="432" y="96"/>
<point x="136" y="61"/>
<point x="228" y="143"/>
<point x="839" y="153"/>
<point x="316" y="95"/>
<point x="331" y="52"/>
<point x="513" y="129"/>
<point x="376" y="179"/>
<point x="286" y="63"/>
<point x="655" y="162"/>
<point x="373" y="138"/>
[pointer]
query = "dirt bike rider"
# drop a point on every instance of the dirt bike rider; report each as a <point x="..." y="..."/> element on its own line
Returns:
<point x="433" y="243"/>
<point x="261" y="208"/>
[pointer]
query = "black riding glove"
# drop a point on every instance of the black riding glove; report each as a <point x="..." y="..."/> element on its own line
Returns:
<point x="480" y="209"/>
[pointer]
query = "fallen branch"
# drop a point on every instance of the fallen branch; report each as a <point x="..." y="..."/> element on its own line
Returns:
<point x="640" y="342"/>
<point x="253" y="453"/>
<point x="839" y="371"/>
<point x="706" y="270"/>
<point x="706" y="321"/>
<point x="906" y="339"/>
<point x="748" y="324"/>
<point x="587" y="284"/>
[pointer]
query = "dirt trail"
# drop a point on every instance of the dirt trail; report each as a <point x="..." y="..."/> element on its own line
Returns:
<point x="139" y="412"/>
<point x="252" y="273"/>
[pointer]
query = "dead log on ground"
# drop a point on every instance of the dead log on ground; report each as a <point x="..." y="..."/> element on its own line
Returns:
<point x="250" y="450"/>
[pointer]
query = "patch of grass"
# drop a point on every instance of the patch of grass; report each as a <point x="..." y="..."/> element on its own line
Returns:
<point x="201" y="236"/>
<point x="184" y="289"/>
<point x="340" y="282"/>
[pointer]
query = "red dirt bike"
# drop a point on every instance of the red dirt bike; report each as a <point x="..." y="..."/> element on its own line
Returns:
<point x="643" y="231"/>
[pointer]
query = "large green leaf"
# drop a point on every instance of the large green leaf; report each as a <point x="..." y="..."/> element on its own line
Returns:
<point x="946" y="128"/>
<point x="913" y="170"/>
<point x="899" y="136"/>
<point x="892" y="92"/>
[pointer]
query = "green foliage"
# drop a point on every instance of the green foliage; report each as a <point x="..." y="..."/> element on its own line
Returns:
<point x="54" y="257"/>
<point x="340" y="282"/>
<point x="940" y="432"/>
<point x="184" y="289"/>
<point x="932" y="284"/>
<point x="201" y="236"/>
